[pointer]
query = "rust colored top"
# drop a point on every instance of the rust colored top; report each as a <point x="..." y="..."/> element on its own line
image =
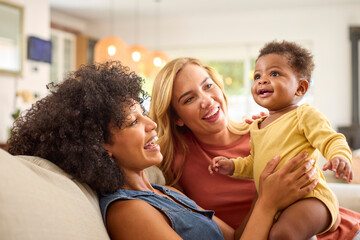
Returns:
<point x="229" y="197"/>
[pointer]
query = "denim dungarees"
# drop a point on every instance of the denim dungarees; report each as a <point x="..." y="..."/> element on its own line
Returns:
<point x="188" y="222"/>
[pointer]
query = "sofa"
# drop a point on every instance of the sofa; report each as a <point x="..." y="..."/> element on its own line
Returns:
<point x="38" y="200"/>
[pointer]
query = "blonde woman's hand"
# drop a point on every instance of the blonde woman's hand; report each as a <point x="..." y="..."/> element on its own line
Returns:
<point x="281" y="188"/>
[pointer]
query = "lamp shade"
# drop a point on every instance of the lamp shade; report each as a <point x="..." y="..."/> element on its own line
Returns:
<point x="154" y="62"/>
<point x="111" y="48"/>
<point x="159" y="59"/>
<point x="138" y="53"/>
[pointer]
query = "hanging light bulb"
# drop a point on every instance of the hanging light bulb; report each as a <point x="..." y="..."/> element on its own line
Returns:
<point x="154" y="62"/>
<point x="157" y="62"/>
<point x="138" y="53"/>
<point x="110" y="48"/>
<point x="159" y="59"/>
<point x="136" y="56"/>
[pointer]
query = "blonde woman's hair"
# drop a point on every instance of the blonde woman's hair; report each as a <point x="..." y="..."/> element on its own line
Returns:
<point x="161" y="111"/>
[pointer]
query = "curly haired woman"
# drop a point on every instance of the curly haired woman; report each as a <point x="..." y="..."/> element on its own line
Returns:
<point x="93" y="126"/>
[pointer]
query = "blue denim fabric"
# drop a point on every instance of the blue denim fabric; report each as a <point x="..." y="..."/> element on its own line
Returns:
<point x="189" y="222"/>
<point x="357" y="236"/>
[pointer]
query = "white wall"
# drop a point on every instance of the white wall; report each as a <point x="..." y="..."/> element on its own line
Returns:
<point x="225" y="36"/>
<point x="35" y="75"/>
<point x="324" y="28"/>
<point x="68" y="21"/>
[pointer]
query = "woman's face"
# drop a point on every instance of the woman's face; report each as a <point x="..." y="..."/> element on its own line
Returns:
<point x="198" y="101"/>
<point x="134" y="146"/>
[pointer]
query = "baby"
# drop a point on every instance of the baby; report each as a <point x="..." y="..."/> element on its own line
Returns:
<point x="281" y="78"/>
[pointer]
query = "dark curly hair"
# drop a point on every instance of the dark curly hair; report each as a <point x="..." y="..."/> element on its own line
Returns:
<point x="70" y="126"/>
<point x="299" y="58"/>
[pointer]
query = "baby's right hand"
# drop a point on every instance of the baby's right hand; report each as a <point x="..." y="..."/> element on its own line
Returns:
<point x="221" y="165"/>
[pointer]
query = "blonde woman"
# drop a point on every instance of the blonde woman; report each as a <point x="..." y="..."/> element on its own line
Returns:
<point x="190" y="108"/>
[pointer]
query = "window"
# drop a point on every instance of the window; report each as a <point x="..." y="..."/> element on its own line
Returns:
<point x="11" y="39"/>
<point x="237" y="78"/>
<point x="63" y="54"/>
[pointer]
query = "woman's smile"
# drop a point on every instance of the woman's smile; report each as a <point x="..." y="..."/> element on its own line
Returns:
<point x="212" y="115"/>
<point x="151" y="145"/>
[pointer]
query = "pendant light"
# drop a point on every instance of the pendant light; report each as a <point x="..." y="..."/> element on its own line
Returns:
<point x="157" y="59"/>
<point x="137" y="51"/>
<point x="111" y="48"/>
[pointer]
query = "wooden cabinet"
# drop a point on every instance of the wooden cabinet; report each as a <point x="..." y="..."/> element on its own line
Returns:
<point x="84" y="50"/>
<point x="4" y="146"/>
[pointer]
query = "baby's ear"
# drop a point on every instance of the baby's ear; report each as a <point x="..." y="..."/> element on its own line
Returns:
<point x="302" y="88"/>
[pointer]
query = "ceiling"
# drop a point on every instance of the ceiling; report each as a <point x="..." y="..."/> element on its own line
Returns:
<point x="94" y="10"/>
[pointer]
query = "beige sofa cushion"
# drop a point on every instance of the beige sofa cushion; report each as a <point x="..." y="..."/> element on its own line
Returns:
<point x="155" y="175"/>
<point x="40" y="201"/>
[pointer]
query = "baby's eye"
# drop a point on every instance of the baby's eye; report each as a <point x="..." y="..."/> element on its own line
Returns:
<point x="274" y="74"/>
<point x="256" y="76"/>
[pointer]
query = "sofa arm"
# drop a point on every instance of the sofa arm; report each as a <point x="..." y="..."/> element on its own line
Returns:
<point x="38" y="200"/>
<point x="347" y="194"/>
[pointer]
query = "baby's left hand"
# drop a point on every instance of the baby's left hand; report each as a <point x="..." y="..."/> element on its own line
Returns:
<point x="341" y="167"/>
<point x="254" y="117"/>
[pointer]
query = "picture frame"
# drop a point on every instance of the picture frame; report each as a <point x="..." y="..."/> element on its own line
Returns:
<point x="39" y="49"/>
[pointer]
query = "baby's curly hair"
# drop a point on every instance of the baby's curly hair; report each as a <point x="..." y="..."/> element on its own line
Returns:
<point x="299" y="58"/>
<point x="70" y="126"/>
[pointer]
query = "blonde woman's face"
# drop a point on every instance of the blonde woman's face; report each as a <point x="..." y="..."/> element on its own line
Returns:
<point x="198" y="101"/>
